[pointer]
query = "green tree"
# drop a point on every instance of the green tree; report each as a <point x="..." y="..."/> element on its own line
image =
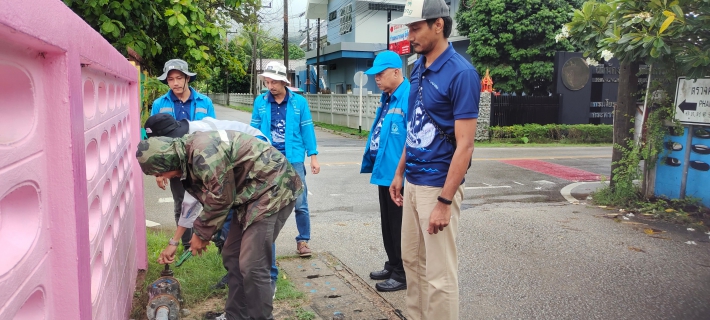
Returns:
<point x="159" y="30"/>
<point x="515" y="39"/>
<point x="668" y="35"/>
<point x="295" y="52"/>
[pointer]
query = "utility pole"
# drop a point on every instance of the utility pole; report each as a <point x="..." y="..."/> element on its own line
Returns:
<point x="286" y="37"/>
<point x="308" y="48"/>
<point x="318" y="58"/>
<point x="253" y="63"/>
<point x="389" y="18"/>
<point x="226" y="86"/>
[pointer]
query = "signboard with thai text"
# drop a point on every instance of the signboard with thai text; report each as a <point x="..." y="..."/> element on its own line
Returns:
<point x="692" y="101"/>
<point x="399" y="41"/>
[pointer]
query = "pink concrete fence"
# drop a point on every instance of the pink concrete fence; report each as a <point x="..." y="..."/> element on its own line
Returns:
<point x="72" y="226"/>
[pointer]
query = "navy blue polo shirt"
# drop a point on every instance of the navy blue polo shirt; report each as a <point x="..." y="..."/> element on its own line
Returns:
<point x="278" y="122"/>
<point x="182" y="109"/>
<point x="450" y="90"/>
<point x="375" y="136"/>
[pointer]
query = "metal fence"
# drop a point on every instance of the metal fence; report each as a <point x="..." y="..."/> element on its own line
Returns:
<point x="339" y="109"/>
<point x="343" y="109"/>
<point x="512" y="110"/>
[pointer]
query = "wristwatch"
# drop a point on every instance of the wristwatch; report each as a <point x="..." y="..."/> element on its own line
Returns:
<point x="173" y="243"/>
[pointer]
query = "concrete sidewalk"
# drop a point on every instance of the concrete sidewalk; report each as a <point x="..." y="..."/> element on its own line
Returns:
<point x="524" y="260"/>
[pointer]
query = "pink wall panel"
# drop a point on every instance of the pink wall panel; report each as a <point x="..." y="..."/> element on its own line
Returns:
<point x="68" y="183"/>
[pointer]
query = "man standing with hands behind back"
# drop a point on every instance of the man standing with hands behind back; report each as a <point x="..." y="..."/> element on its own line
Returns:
<point x="382" y="153"/>
<point x="284" y="116"/>
<point x="181" y="102"/>
<point x="443" y="108"/>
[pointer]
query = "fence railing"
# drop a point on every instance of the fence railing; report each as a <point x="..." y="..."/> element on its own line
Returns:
<point x="344" y="109"/>
<point x="512" y="110"/>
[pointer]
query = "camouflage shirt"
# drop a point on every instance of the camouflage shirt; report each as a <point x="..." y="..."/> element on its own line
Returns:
<point x="225" y="170"/>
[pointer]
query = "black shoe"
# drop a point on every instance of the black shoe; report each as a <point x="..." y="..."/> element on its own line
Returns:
<point x="390" y="285"/>
<point x="380" y="275"/>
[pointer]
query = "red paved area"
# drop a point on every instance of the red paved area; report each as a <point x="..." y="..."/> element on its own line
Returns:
<point x="555" y="170"/>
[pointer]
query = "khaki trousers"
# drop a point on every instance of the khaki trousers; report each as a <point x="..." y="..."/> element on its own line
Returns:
<point x="430" y="260"/>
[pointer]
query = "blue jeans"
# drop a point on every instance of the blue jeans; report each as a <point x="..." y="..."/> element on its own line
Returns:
<point x="303" y="219"/>
<point x="225" y="231"/>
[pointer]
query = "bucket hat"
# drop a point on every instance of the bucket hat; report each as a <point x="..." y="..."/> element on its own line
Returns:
<point x="179" y="65"/>
<point x="275" y="71"/>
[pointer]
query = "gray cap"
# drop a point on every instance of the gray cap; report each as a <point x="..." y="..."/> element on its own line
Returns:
<point x="420" y="10"/>
<point x="179" y="65"/>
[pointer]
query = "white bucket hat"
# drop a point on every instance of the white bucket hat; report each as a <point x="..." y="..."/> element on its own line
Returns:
<point x="275" y="71"/>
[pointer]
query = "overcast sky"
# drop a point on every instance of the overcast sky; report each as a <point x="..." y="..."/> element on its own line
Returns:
<point x="273" y="18"/>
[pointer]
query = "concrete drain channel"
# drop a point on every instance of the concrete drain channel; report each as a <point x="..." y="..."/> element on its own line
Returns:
<point x="335" y="291"/>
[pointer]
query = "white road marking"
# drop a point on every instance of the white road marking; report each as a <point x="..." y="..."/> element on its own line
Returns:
<point x="518" y="183"/>
<point x="489" y="187"/>
<point x="309" y="193"/>
<point x="163" y="200"/>
<point x="566" y="192"/>
<point x="544" y="182"/>
<point x="151" y="224"/>
<point x="336" y="194"/>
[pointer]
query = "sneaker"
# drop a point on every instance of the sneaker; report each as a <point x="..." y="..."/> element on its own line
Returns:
<point x="303" y="249"/>
<point x="273" y="288"/>
<point x="215" y="315"/>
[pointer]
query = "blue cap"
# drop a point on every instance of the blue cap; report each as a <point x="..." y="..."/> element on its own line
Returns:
<point x="384" y="60"/>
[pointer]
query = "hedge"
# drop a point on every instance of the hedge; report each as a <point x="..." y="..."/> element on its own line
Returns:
<point x="562" y="133"/>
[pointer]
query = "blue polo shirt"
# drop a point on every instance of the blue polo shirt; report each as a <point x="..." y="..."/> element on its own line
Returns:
<point x="375" y="136"/>
<point x="450" y="90"/>
<point x="182" y="109"/>
<point x="278" y="122"/>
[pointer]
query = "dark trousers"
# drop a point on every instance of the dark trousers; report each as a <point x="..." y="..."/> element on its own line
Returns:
<point x="391" y="219"/>
<point x="178" y="195"/>
<point x="247" y="256"/>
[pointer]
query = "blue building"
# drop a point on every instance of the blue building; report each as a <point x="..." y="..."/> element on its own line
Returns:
<point x="356" y="32"/>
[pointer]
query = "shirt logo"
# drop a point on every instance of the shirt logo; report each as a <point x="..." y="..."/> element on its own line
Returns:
<point x="395" y="128"/>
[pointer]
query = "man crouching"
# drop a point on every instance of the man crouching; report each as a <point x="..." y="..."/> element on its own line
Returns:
<point x="229" y="170"/>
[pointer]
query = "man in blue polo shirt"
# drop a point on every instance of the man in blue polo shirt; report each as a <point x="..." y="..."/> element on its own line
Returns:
<point x="181" y="102"/>
<point x="382" y="153"/>
<point x="441" y="127"/>
<point x="285" y="117"/>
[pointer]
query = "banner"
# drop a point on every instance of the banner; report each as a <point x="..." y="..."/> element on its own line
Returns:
<point x="398" y="39"/>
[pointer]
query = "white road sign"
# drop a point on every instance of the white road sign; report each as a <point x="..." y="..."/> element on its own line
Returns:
<point x="692" y="101"/>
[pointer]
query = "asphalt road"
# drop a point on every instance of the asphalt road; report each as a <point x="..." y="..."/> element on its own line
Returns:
<point x="524" y="251"/>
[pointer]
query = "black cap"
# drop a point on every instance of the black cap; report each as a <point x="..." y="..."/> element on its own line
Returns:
<point x="164" y="125"/>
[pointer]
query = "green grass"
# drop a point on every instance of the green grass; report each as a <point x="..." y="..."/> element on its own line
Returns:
<point x="241" y="108"/>
<point x="504" y="144"/>
<point x="196" y="275"/>
<point x="343" y="129"/>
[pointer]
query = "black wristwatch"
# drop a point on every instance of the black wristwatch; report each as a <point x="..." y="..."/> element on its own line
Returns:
<point x="444" y="200"/>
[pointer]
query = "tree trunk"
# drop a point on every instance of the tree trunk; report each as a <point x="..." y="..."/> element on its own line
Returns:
<point x="625" y="111"/>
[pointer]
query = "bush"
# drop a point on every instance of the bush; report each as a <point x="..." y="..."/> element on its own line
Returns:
<point x="562" y="133"/>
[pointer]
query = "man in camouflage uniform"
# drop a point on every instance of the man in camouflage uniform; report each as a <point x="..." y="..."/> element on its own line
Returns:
<point x="229" y="170"/>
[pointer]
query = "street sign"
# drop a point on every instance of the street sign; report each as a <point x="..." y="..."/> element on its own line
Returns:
<point x="361" y="79"/>
<point x="692" y="101"/>
<point x="358" y="77"/>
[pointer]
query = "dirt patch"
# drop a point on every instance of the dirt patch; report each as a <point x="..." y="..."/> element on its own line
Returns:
<point x="140" y="298"/>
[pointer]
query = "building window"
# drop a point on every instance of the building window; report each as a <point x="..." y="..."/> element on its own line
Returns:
<point x="346" y="19"/>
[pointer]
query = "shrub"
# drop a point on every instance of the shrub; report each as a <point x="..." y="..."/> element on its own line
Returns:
<point x="563" y="133"/>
